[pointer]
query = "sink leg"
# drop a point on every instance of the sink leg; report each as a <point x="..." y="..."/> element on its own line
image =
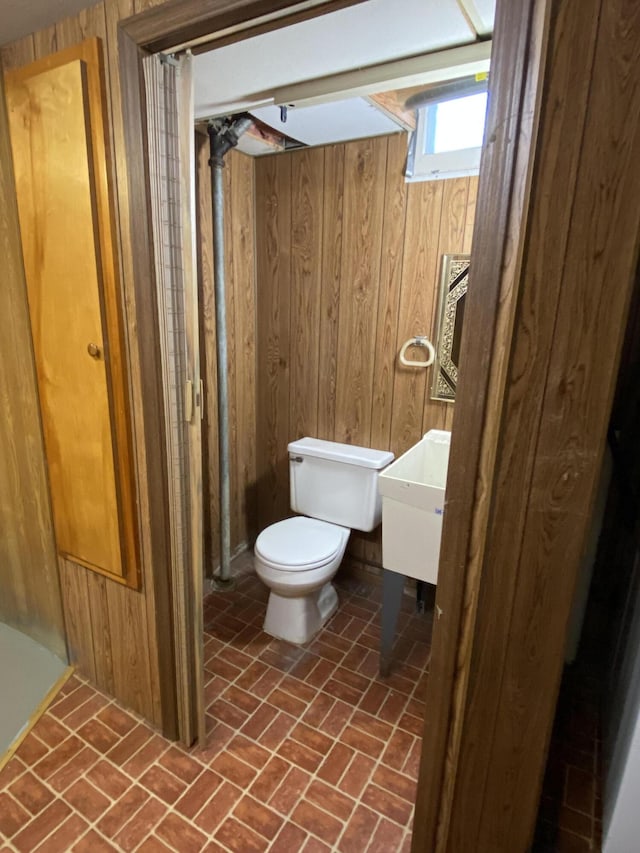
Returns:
<point x="392" y="588"/>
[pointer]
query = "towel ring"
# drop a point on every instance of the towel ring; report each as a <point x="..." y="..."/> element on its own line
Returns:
<point x="417" y="341"/>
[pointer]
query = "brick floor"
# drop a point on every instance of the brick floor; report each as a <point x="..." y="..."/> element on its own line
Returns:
<point x="308" y="749"/>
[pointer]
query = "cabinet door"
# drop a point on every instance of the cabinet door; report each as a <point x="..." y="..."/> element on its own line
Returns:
<point x="61" y="169"/>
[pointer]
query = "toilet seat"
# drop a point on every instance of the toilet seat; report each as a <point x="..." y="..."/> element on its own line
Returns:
<point x="300" y="544"/>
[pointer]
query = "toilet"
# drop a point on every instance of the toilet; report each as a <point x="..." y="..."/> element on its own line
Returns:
<point x="334" y="487"/>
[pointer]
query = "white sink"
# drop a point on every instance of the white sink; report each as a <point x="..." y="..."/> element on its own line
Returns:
<point x="412" y="490"/>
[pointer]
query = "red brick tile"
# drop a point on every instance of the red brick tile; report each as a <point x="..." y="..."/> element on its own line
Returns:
<point x="305" y="666"/>
<point x="218" y="807"/>
<point x="73" y="769"/>
<point x="387" y="804"/>
<point x="318" y="709"/>
<point x="313" y="845"/>
<point x="252" y="675"/>
<point x="289" y="840"/>
<point x="395" y="782"/>
<point x="120" y="721"/>
<point x="313" y="739"/>
<point x="357" y="775"/>
<point x="93" y="843"/>
<point x="31" y="793"/>
<point x="335" y="763"/>
<point x="227" y="713"/>
<point x="354" y="629"/>
<point x="180" y="835"/>
<point x="358" y="832"/>
<point x="327" y="651"/>
<point x="87" y="710"/>
<point x="140" y="825"/>
<point x="269" y="779"/>
<point x="163" y="784"/>
<point x="370" y="663"/>
<point x="218" y="736"/>
<point x="374" y="697"/>
<point x="58" y="757"/>
<point x="107" y="779"/>
<point x="330" y="800"/>
<point x="31" y="750"/>
<point x="234" y="770"/>
<point x="579" y="790"/>
<point x="316" y="821"/>
<point x="342" y="691"/>
<point x="147" y="755"/>
<point x="401" y="684"/>
<point x="213" y="689"/>
<point x="398" y="748"/>
<point x="392" y="708"/>
<point x="153" y="845"/>
<point x="180" y="764"/>
<point x="87" y="800"/>
<point x="50" y="731"/>
<point x="362" y="742"/>
<point x="129" y="744"/>
<point x="295" y="687"/>
<point x="220" y="667"/>
<point x="302" y="756"/>
<point x="239" y="659"/>
<point x="261" y="819"/>
<point x="354" y="659"/>
<point x="371" y="725"/>
<point x="412" y="764"/>
<point x="418" y="709"/>
<point x="64" y="836"/>
<point x="71" y="701"/>
<point x="99" y="736"/>
<point x="198" y="793"/>
<point x="37" y="830"/>
<point x="322" y="671"/>
<point x="411" y="724"/>
<point x="10" y="772"/>
<point x="240" y="838"/>
<point x="259" y="721"/>
<point x="241" y="699"/>
<point x="12" y="816"/>
<point x="248" y="751"/>
<point x="287" y="703"/>
<point x="277" y="731"/>
<point x="120" y="812"/>
<point x="266" y="683"/>
<point x="387" y="837"/>
<point x="290" y="790"/>
<point x="336" y="719"/>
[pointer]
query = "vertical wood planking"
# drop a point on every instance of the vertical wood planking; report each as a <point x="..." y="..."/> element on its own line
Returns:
<point x="419" y="274"/>
<point x="77" y="618"/>
<point x="364" y="170"/>
<point x="273" y="251"/>
<point x="307" y="179"/>
<point x="331" y="265"/>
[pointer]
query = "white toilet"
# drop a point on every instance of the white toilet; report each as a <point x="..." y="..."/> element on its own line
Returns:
<point x="335" y="487"/>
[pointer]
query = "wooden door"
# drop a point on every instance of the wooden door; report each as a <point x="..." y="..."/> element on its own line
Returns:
<point x="60" y="165"/>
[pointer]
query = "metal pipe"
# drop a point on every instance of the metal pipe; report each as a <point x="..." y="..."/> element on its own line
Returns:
<point x="222" y="137"/>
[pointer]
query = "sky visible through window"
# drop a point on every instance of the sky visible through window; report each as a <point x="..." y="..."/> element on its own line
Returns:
<point x="460" y="123"/>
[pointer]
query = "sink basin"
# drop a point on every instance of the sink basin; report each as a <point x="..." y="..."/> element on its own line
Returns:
<point x="412" y="490"/>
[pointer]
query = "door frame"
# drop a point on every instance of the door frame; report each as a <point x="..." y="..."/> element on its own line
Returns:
<point x="511" y="478"/>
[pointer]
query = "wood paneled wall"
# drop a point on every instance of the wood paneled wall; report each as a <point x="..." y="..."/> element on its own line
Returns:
<point x="112" y="631"/>
<point x="239" y="190"/>
<point x="30" y="597"/>
<point x="348" y="268"/>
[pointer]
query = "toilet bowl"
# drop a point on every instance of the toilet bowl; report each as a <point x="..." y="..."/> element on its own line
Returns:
<point x="334" y="487"/>
<point x="296" y="559"/>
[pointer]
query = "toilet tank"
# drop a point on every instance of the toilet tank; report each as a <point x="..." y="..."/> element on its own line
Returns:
<point x="336" y="482"/>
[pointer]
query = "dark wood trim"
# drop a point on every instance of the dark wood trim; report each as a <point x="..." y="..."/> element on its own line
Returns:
<point x="131" y="85"/>
<point x="179" y="22"/>
<point x="507" y="586"/>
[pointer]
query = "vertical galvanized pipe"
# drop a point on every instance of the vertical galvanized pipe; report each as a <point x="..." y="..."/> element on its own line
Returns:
<point x="217" y="195"/>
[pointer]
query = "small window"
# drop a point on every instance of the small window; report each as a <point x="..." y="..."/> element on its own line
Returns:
<point x="447" y="141"/>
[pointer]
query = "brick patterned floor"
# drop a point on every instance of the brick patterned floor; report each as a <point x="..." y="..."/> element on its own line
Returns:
<point x="308" y="749"/>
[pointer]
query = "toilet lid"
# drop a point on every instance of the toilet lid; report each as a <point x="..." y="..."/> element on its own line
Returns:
<point x="300" y="541"/>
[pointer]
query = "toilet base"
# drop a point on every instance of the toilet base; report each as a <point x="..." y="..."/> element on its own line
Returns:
<point x="298" y="620"/>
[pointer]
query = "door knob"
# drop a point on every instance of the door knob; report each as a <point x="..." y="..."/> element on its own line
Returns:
<point x="93" y="350"/>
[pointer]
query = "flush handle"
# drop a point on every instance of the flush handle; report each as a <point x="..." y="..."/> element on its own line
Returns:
<point x="296" y="459"/>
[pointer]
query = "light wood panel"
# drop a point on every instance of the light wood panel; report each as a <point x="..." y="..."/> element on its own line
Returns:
<point x="54" y="175"/>
<point x="31" y="599"/>
<point x="348" y="267"/>
<point x="141" y="678"/>
<point x="241" y="337"/>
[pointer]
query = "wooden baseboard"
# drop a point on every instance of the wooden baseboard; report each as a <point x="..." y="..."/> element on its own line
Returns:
<point x="35" y="716"/>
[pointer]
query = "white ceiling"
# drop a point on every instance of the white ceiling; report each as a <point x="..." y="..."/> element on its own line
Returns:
<point x="19" y="18"/>
<point x="236" y="76"/>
